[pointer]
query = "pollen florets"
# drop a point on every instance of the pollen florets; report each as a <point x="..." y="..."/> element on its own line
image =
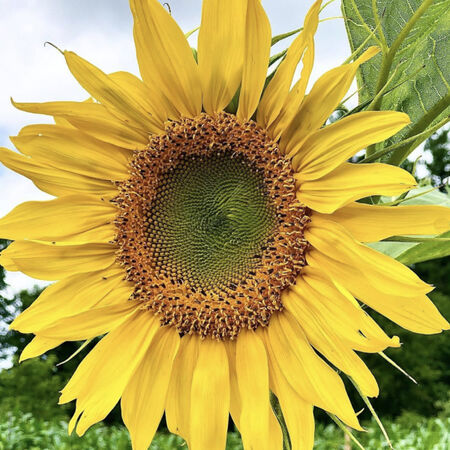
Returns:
<point x="210" y="231"/>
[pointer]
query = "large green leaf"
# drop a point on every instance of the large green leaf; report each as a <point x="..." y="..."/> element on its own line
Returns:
<point x="420" y="66"/>
<point x="409" y="252"/>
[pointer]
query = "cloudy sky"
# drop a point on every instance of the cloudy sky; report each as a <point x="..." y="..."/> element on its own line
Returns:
<point x="101" y="31"/>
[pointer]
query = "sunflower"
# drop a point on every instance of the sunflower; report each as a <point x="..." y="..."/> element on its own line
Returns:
<point x="220" y="254"/>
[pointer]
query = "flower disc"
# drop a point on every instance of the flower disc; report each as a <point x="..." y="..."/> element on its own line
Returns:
<point x="210" y="231"/>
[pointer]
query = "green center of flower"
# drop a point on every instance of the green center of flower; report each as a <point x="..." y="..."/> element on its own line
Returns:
<point x="210" y="220"/>
<point x="209" y="230"/>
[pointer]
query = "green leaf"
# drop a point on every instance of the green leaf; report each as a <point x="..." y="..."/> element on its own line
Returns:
<point x="409" y="252"/>
<point x="414" y="38"/>
<point x="426" y="251"/>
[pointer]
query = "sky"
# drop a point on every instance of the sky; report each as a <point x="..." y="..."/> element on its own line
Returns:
<point x="101" y="32"/>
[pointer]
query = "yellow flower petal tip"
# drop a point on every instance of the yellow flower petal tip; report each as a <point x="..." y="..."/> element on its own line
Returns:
<point x="220" y="255"/>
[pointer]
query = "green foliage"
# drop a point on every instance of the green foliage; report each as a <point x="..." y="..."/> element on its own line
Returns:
<point x="24" y="432"/>
<point x="32" y="387"/>
<point x="414" y="38"/>
<point x="9" y="308"/>
<point x="3" y="245"/>
<point x="439" y="166"/>
<point x="426" y="251"/>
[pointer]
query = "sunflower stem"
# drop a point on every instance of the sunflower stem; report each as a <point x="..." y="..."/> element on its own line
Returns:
<point x="279" y="415"/>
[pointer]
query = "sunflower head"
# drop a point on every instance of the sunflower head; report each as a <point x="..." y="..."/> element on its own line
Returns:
<point x="208" y="222"/>
<point x="220" y="254"/>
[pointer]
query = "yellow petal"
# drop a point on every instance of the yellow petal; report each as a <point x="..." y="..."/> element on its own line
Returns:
<point x="102" y="376"/>
<point x="380" y="271"/>
<point x="339" y="309"/>
<point x="306" y="372"/>
<point x="165" y="57"/>
<point x="210" y="397"/>
<point x="179" y="392"/>
<point x="151" y="98"/>
<point x="71" y="150"/>
<point x="235" y="397"/>
<point x="90" y="218"/>
<point x="71" y="296"/>
<point x="143" y="399"/>
<point x="370" y="223"/>
<point x="331" y="146"/>
<point x="415" y="312"/>
<point x="275" y="433"/>
<point x="93" y="119"/>
<point x="325" y="95"/>
<point x="54" y="262"/>
<point x="119" y="102"/>
<point x="328" y="343"/>
<point x="297" y="413"/>
<point x="350" y="182"/>
<point x="275" y="439"/>
<point x="252" y="373"/>
<point x="221" y="43"/>
<point x="276" y="94"/>
<point x="296" y="94"/>
<point x="55" y="181"/>
<point x="89" y="324"/>
<point x="38" y="346"/>
<point x="256" y="59"/>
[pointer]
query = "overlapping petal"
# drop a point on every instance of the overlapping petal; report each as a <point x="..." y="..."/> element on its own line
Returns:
<point x="121" y="103"/>
<point x="93" y="119"/>
<point x="334" y="305"/>
<point x="37" y="346"/>
<point x="297" y="413"/>
<point x="48" y="261"/>
<point x="256" y="59"/>
<point x="100" y="380"/>
<point x="179" y="391"/>
<point x="221" y="44"/>
<point x="70" y="150"/>
<point x="55" y="181"/>
<point x="350" y="182"/>
<point x="144" y="397"/>
<point x="252" y="372"/>
<point x="325" y="95"/>
<point x="165" y="59"/>
<point x="276" y="95"/>
<point x="306" y="372"/>
<point x="210" y="392"/>
<point x="90" y="220"/>
<point x="323" y="338"/>
<point x="415" y="312"/>
<point x="326" y="149"/>
<point x="73" y="295"/>
<point x="381" y="271"/>
<point x="370" y="223"/>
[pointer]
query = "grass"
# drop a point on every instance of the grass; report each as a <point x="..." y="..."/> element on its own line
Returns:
<point x="24" y="432"/>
